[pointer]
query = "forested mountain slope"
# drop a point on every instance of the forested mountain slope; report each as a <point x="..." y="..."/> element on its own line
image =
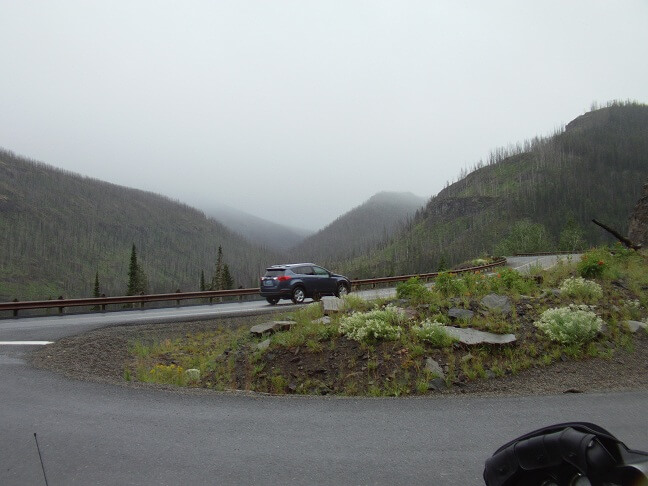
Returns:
<point x="57" y="229"/>
<point x="258" y="231"/>
<point x="360" y="230"/>
<point x="538" y="196"/>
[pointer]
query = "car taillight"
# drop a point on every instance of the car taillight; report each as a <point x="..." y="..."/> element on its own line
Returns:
<point x="283" y="278"/>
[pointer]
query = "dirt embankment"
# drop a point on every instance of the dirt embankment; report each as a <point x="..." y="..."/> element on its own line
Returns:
<point x="102" y="355"/>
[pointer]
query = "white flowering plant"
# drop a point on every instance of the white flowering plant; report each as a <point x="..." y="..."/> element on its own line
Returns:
<point x="570" y="325"/>
<point x="581" y="288"/>
<point x="433" y="333"/>
<point x="373" y="326"/>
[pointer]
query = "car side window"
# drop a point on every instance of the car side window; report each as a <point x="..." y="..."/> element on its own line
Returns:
<point x="320" y="271"/>
<point x="303" y="270"/>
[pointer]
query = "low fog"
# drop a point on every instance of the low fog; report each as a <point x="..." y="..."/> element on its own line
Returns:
<point x="298" y="111"/>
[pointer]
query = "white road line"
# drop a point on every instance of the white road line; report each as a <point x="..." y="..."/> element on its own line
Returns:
<point x="24" y="343"/>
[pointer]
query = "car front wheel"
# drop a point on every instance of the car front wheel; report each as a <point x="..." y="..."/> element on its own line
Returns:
<point x="298" y="295"/>
<point x="342" y="290"/>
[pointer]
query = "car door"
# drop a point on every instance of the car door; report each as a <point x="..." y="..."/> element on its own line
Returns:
<point x="325" y="283"/>
<point x="308" y="279"/>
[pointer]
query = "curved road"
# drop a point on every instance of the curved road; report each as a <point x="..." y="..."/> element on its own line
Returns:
<point x="92" y="433"/>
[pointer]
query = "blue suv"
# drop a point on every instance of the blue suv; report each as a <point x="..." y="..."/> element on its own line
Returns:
<point x="297" y="281"/>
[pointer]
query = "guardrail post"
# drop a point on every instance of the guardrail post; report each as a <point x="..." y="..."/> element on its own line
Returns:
<point x="61" y="307"/>
<point x="178" y="300"/>
<point x="103" y="306"/>
<point x="15" y="312"/>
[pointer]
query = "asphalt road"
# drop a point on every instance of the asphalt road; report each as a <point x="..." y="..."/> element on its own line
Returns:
<point x="92" y="433"/>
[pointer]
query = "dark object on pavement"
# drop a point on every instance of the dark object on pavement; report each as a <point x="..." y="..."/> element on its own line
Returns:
<point x="574" y="453"/>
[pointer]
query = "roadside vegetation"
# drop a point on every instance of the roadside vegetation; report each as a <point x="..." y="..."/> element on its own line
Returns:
<point x="403" y="346"/>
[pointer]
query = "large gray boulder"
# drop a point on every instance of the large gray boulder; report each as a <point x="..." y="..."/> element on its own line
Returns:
<point x="473" y="336"/>
<point x="435" y="368"/>
<point x="263" y="345"/>
<point x="271" y="327"/>
<point x="634" y="326"/>
<point x="460" y="314"/>
<point x="332" y="305"/>
<point x="497" y="303"/>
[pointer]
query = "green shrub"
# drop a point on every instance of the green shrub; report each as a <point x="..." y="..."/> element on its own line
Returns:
<point x="413" y="290"/>
<point x="570" y="325"/>
<point x="507" y="279"/>
<point x="449" y="284"/>
<point x="593" y="263"/>
<point x="580" y="288"/>
<point x="352" y="302"/>
<point x="475" y="284"/>
<point x="373" y="326"/>
<point x="434" y="334"/>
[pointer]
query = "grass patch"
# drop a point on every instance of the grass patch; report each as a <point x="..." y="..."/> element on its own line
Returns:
<point x="379" y="349"/>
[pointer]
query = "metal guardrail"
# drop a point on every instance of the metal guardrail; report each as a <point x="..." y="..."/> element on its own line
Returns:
<point x="427" y="276"/>
<point x="102" y="302"/>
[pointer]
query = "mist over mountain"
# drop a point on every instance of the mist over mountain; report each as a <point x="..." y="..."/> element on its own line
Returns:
<point x="537" y="196"/>
<point x="258" y="231"/>
<point x="59" y="229"/>
<point x="360" y="230"/>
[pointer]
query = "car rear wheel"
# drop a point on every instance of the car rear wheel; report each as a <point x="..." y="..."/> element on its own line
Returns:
<point x="342" y="290"/>
<point x="272" y="300"/>
<point x="298" y="295"/>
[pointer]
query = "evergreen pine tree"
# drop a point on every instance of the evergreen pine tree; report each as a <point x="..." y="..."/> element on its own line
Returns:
<point x="97" y="291"/>
<point x="217" y="280"/>
<point x="202" y="281"/>
<point x="133" y="273"/>
<point x="137" y="279"/>
<point x="228" y="281"/>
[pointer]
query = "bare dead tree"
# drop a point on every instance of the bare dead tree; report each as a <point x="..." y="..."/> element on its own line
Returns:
<point x="618" y="236"/>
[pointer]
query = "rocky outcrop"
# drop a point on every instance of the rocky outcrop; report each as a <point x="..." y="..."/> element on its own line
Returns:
<point x="634" y="326"/>
<point x="456" y="313"/>
<point x="500" y="304"/>
<point x="271" y="327"/>
<point x="332" y="305"/>
<point x="638" y="230"/>
<point x="471" y="337"/>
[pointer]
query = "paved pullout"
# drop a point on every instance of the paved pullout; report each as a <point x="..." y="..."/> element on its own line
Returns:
<point x="92" y="433"/>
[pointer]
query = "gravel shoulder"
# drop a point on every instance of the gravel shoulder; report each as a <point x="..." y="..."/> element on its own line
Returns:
<point x="101" y="356"/>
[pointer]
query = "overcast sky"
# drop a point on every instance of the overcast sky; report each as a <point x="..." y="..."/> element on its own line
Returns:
<point x="297" y="111"/>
